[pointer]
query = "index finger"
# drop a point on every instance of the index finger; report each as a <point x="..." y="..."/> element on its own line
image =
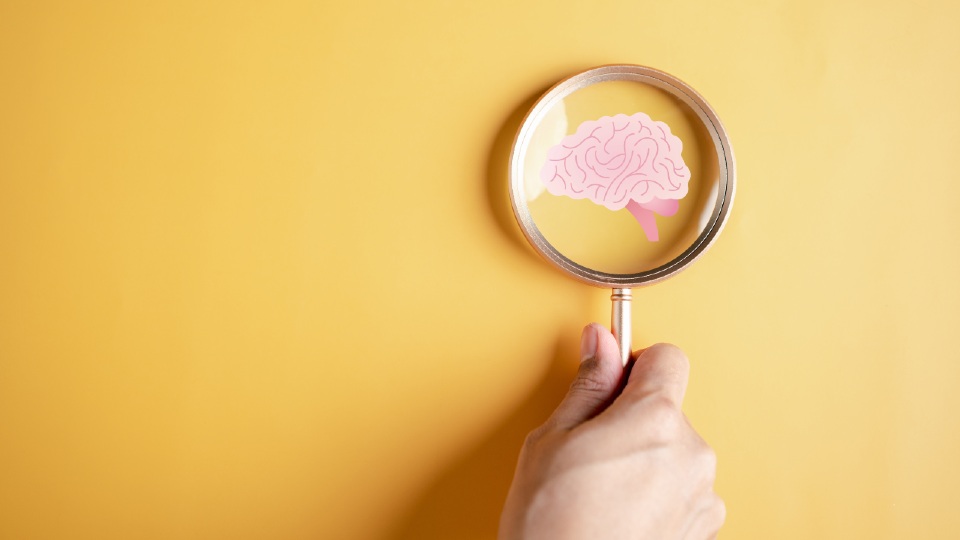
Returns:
<point x="661" y="369"/>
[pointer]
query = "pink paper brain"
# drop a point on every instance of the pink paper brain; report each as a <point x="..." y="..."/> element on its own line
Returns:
<point x="622" y="161"/>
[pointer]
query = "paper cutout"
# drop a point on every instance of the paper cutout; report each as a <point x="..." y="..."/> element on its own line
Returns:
<point x="622" y="161"/>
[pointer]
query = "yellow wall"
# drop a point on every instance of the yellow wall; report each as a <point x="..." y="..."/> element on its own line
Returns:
<point x="258" y="278"/>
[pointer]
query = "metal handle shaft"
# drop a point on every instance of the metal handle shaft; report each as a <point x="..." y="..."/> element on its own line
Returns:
<point x="620" y="321"/>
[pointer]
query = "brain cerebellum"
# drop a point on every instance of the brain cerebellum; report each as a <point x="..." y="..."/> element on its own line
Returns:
<point x="618" y="159"/>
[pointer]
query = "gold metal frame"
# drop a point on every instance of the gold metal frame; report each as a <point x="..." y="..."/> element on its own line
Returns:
<point x="663" y="81"/>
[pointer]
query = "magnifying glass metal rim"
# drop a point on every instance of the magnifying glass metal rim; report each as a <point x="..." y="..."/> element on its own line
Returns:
<point x="667" y="83"/>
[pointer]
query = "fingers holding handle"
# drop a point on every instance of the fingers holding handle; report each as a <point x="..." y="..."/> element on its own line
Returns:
<point x="597" y="380"/>
<point x="660" y="369"/>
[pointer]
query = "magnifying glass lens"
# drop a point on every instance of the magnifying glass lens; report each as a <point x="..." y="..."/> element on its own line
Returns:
<point x="620" y="176"/>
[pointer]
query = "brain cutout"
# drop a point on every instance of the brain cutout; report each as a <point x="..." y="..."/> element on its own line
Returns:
<point x="622" y="161"/>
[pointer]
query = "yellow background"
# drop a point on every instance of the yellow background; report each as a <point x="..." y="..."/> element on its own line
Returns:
<point x="258" y="277"/>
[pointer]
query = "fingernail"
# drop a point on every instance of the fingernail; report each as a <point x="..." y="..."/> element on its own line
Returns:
<point x="588" y="342"/>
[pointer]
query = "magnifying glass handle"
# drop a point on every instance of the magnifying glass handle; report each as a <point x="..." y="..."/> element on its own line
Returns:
<point x="620" y="321"/>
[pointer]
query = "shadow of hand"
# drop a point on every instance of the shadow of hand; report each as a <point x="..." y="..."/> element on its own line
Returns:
<point x="466" y="499"/>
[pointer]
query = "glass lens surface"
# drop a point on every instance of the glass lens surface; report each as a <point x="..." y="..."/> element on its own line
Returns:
<point x="620" y="176"/>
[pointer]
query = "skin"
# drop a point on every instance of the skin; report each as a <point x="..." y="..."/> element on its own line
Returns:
<point x="618" y="458"/>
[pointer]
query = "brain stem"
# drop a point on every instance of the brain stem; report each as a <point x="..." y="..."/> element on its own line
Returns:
<point x="645" y="214"/>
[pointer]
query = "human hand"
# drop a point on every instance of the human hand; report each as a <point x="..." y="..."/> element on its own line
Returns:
<point x="612" y="463"/>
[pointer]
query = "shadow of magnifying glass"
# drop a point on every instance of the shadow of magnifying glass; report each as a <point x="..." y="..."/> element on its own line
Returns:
<point x="466" y="497"/>
<point x="498" y="183"/>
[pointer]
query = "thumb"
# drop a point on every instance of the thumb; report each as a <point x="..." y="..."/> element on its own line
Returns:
<point x="597" y="381"/>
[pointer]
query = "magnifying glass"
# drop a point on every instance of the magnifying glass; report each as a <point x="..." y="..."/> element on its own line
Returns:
<point x="621" y="176"/>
